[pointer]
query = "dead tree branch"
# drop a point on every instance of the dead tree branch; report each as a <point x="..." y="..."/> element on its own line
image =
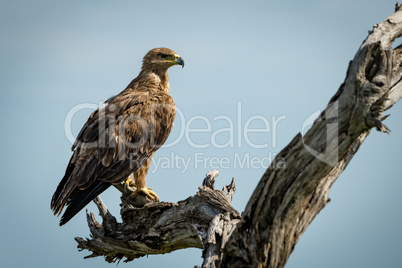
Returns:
<point x="290" y="194"/>
<point x="296" y="186"/>
<point x="204" y="220"/>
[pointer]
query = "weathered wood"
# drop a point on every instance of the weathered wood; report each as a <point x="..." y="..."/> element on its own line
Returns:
<point x="290" y="194"/>
<point x="221" y="226"/>
<point x="288" y="197"/>
<point x="204" y="220"/>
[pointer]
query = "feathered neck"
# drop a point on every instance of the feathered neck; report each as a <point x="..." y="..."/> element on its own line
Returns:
<point x="156" y="78"/>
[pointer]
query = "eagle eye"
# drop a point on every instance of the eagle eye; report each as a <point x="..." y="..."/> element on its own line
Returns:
<point x="164" y="56"/>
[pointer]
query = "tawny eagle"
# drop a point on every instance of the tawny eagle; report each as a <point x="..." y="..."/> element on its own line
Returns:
<point x="120" y="137"/>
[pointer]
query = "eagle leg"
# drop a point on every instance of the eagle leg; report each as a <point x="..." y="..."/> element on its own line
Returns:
<point x="129" y="182"/>
<point x="147" y="192"/>
<point x="140" y="182"/>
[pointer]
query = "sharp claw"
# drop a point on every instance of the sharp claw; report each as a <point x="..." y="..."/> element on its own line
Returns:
<point x="147" y="192"/>
<point x="129" y="183"/>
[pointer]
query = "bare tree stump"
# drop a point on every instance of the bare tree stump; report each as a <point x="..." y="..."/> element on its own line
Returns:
<point x="290" y="194"/>
<point x="204" y="221"/>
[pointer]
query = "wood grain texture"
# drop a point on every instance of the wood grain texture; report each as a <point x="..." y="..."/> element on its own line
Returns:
<point x="293" y="190"/>
<point x="289" y="196"/>
<point x="204" y="220"/>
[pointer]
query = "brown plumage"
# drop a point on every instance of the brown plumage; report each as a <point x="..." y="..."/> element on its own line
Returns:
<point x="120" y="137"/>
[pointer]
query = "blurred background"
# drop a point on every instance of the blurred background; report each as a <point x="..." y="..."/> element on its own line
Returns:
<point x="264" y="66"/>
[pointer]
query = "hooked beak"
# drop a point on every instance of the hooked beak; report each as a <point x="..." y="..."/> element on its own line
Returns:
<point x="179" y="60"/>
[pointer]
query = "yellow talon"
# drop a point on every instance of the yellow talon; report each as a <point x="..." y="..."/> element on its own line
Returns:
<point x="129" y="182"/>
<point x="147" y="192"/>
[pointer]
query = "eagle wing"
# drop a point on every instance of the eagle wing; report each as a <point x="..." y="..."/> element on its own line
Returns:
<point x="115" y="141"/>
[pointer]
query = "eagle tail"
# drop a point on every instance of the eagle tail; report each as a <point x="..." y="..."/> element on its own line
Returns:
<point x="82" y="198"/>
<point x="63" y="191"/>
<point x="68" y="193"/>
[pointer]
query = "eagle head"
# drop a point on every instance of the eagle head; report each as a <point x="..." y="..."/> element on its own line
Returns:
<point x="162" y="58"/>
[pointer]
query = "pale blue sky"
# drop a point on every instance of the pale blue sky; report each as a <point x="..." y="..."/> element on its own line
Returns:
<point x="278" y="59"/>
